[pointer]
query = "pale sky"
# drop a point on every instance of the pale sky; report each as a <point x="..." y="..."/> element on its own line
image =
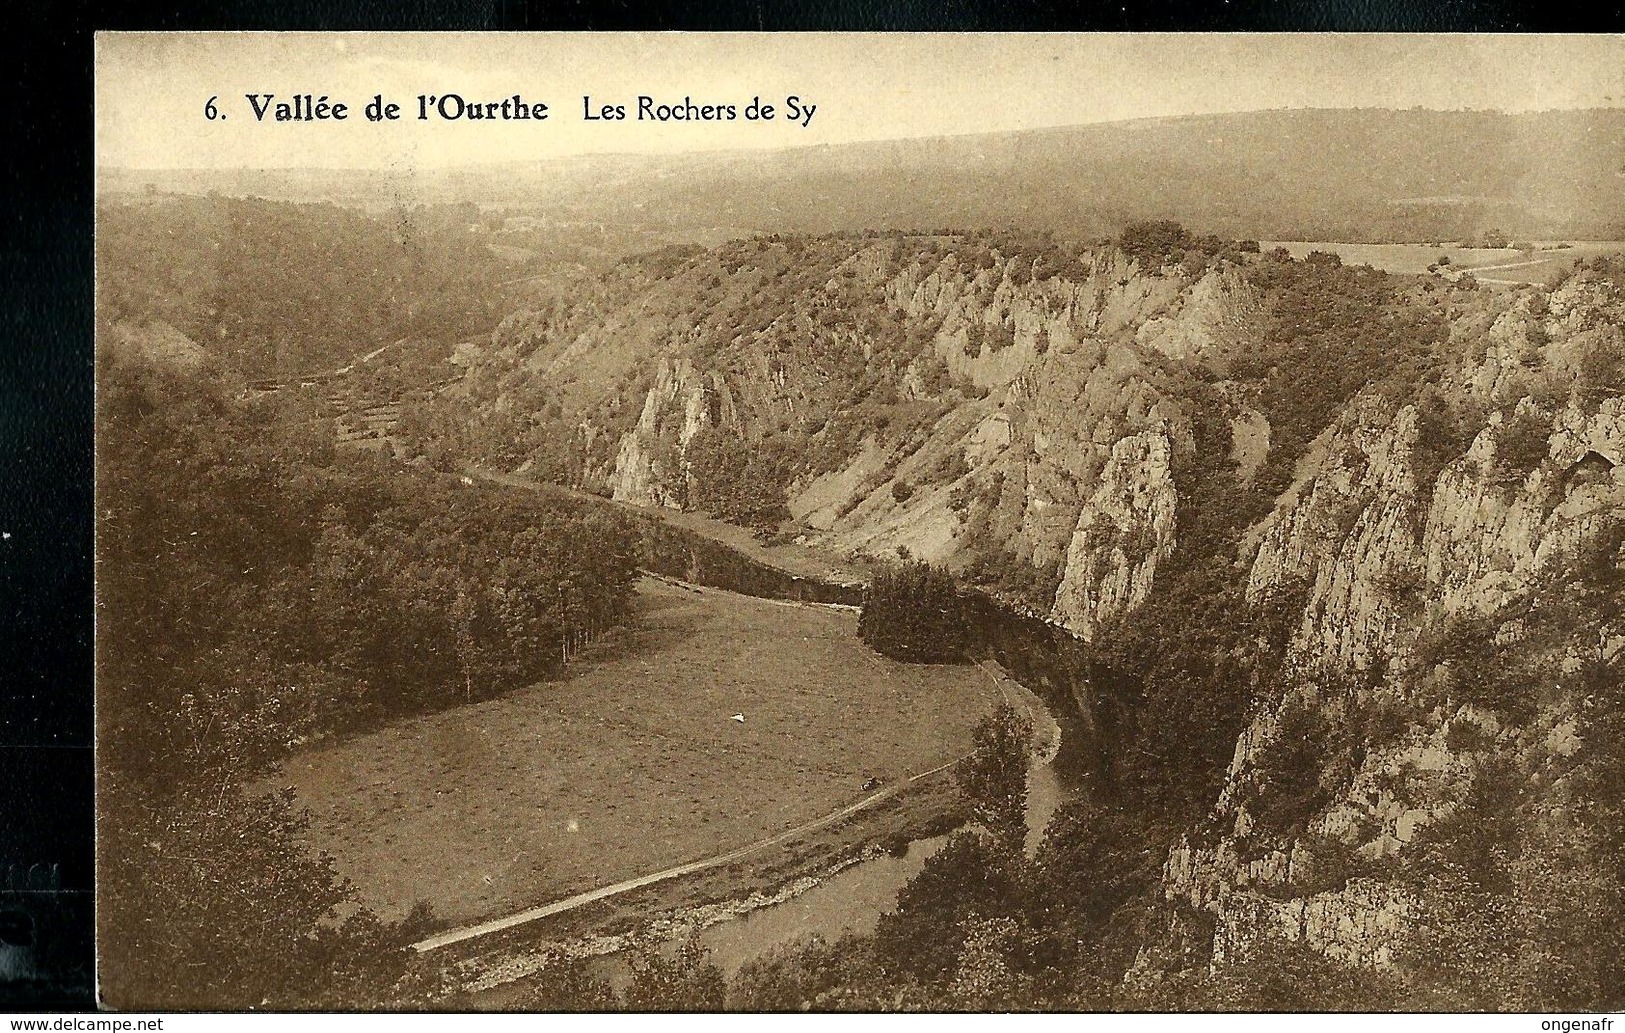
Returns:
<point x="151" y="87"/>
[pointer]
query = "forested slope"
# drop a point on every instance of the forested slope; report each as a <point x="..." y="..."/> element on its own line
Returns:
<point x="272" y="288"/>
<point x="257" y="589"/>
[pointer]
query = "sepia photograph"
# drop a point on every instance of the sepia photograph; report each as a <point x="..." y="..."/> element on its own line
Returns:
<point x="824" y="522"/>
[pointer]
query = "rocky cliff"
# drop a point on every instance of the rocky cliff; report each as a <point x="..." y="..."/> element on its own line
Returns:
<point x="1415" y="589"/>
<point x="1034" y="430"/>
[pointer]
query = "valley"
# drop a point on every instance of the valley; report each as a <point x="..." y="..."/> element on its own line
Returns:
<point x="687" y="607"/>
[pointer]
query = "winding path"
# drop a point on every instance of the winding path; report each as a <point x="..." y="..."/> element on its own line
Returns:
<point x="470" y="932"/>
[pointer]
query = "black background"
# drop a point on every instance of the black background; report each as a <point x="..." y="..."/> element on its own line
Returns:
<point x="46" y="365"/>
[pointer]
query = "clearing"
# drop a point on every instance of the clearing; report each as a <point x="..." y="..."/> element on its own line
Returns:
<point x="1498" y="265"/>
<point x="633" y="763"/>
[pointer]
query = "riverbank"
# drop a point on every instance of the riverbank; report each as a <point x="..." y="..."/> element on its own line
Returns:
<point x="837" y="894"/>
<point x="494" y="972"/>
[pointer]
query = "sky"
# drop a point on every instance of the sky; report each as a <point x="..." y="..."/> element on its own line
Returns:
<point x="151" y="88"/>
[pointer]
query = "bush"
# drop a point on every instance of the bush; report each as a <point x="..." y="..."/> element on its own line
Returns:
<point x="1600" y="370"/>
<point x="1290" y="771"/>
<point x="1445" y="428"/>
<point x="1466" y="737"/>
<point x="1470" y="667"/>
<point x="913" y="612"/>
<point x="688" y="982"/>
<point x="1154" y="243"/>
<point x="923" y="934"/>
<point x="1521" y="444"/>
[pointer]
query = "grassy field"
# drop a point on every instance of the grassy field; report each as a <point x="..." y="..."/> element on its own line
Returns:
<point x="633" y="764"/>
<point x="1500" y="265"/>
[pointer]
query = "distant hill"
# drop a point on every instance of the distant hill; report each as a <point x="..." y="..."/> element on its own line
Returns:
<point x="1354" y="175"/>
<point x="272" y="288"/>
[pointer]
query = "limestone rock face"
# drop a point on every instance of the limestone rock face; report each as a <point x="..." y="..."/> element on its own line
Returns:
<point x="1359" y="924"/>
<point x="1347" y="530"/>
<point x="680" y="403"/>
<point x="1378" y="558"/>
<point x="1066" y="465"/>
<point x="1054" y="459"/>
<point x="1124" y="529"/>
<point x="1485" y="541"/>
<point x="1220" y="309"/>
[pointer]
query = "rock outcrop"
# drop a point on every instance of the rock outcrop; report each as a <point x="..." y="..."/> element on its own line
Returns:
<point x="648" y="472"/>
<point x="1124" y="530"/>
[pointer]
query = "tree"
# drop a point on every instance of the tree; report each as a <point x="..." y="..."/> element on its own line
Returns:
<point x="1093" y="861"/>
<point x="922" y="936"/>
<point x="1155" y="242"/>
<point x="686" y="981"/>
<point x="209" y="902"/>
<point x="1535" y="909"/>
<point x="993" y="779"/>
<point x="913" y="611"/>
<point x="253" y="591"/>
<point x="983" y="979"/>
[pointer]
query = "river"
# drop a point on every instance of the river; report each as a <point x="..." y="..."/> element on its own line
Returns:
<point x="851" y="901"/>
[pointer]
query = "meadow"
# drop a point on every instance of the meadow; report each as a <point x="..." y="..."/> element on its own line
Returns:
<point x="1499" y="265"/>
<point x="634" y="762"/>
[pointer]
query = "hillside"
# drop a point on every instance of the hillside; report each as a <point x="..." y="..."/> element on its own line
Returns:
<point x="1346" y="546"/>
<point x="272" y="289"/>
<point x="977" y="400"/>
<point x="1321" y="567"/>
<point x="1350" y="175"/>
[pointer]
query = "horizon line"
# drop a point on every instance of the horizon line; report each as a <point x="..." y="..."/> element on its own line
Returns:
<point x="794" y="148"/>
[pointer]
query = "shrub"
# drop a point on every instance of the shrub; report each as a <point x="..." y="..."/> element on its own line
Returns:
<point x="1290" y="770"/>
<point x="1600" y="369"/>
<point x="1445" y="427"/>
<point x="913" y="612"/>
<point x="1470" y="667"/>
<point x="1520" y="446"/>
<point x="1154" y="243"/>
<point x="1466" y="737"/>
<point x="923" y="934"/>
